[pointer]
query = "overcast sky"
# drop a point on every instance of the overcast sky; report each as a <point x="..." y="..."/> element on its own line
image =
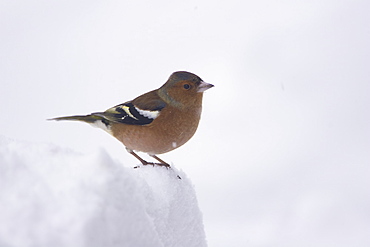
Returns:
<point x="281" y="157"/>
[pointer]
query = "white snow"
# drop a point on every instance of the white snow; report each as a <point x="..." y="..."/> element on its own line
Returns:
<point x="50" y="196"/>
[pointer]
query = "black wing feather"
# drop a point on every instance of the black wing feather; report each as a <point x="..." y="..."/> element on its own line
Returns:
<point x="126" y="113"/>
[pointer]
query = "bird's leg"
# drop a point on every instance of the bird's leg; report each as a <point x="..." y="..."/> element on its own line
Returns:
<point x="162" y="162"/>
<point x="144" y="162"/>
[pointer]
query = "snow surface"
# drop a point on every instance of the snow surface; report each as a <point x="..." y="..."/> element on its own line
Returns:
<point x="50" y="196"/>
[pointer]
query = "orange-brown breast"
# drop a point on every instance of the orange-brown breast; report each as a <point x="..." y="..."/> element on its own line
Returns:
<point x="171" y="129"/>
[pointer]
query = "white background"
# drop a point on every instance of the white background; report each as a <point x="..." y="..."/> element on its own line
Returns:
<point x="281" y="157"/>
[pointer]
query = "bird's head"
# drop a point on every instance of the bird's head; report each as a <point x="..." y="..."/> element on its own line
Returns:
<point x="183" y="89"/>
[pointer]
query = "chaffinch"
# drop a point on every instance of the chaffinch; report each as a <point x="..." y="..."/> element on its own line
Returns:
<point x="156" y="122"/>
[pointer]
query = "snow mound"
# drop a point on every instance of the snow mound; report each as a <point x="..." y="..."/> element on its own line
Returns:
<point x="51" y="196"/>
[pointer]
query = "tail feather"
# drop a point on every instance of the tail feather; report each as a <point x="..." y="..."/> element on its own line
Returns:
<point x="94" y="120"/>
<point x="84" y="118"/>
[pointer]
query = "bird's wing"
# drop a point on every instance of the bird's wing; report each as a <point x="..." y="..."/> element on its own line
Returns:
<point x="140" y="111"/>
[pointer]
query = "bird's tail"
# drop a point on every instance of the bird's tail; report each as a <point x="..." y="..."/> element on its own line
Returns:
<point x="84" y="118"/>
<point x="94" y="120"/>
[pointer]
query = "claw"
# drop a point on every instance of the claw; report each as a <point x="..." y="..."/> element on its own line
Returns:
<point x="145" y="163"/>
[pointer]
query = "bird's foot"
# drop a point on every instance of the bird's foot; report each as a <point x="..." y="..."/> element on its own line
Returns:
<point x="145" y="163"/>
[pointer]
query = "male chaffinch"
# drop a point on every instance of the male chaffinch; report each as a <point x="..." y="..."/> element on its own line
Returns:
<point x="156" y="122"/>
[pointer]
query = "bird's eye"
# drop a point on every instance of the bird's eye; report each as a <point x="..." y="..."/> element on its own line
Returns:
<point x="187" y="86"/>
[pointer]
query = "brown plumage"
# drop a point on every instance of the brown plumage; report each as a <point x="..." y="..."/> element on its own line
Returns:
<point x="156" y="122"/>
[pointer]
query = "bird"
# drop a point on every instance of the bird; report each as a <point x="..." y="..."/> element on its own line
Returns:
<point x="155" y="122"/>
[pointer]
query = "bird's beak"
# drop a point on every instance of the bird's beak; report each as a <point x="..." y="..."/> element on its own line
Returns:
<point x="203" y="86"/>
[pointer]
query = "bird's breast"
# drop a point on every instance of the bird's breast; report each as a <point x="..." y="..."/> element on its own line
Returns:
<point x="170" y="130"/>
